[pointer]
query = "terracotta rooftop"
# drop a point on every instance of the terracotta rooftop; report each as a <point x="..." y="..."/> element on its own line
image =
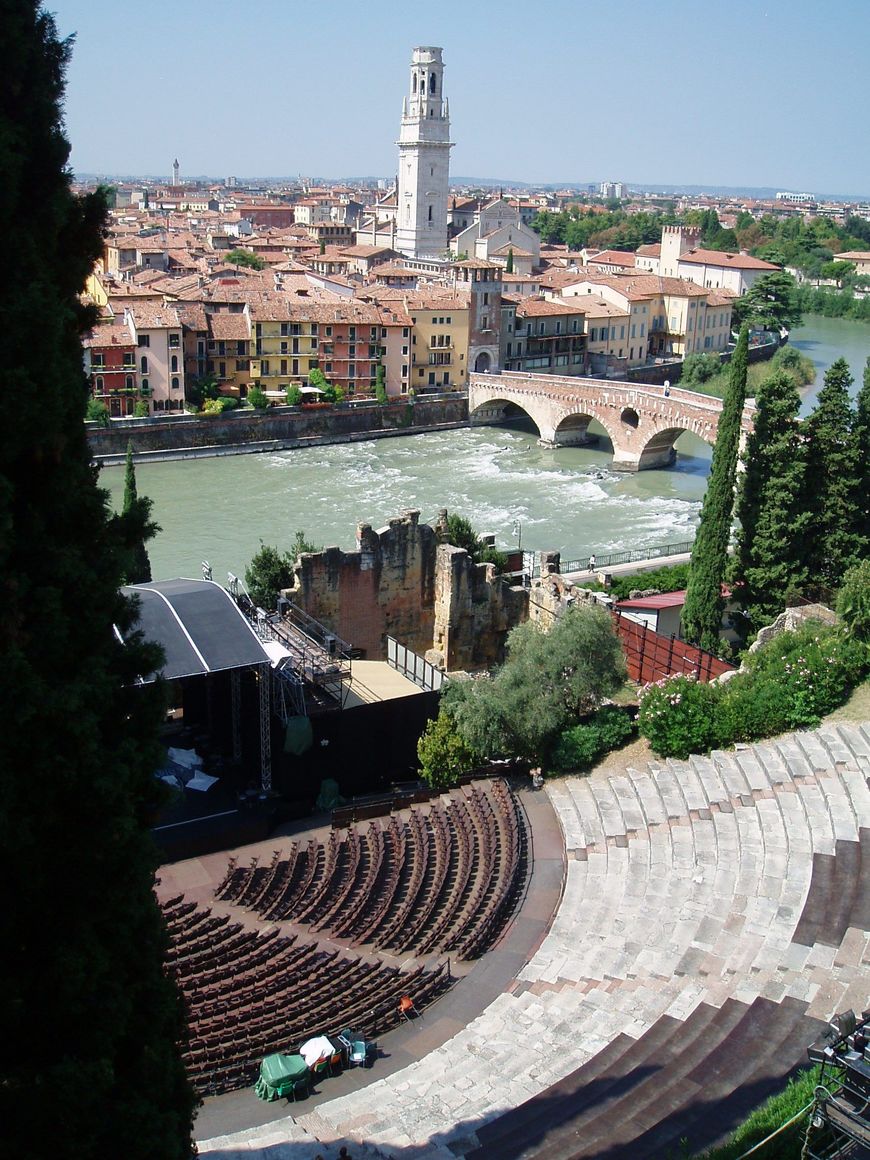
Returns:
<point x="728" y="261"/>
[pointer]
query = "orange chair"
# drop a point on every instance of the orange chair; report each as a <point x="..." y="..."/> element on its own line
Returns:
<point x="407" y="1009"/>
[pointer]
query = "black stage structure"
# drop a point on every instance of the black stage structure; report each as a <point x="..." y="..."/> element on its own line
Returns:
<point x="242" y="685"/>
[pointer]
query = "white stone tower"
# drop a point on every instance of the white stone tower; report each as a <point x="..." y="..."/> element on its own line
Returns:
<point x="424" y="159"/>
<point x="175" y="171"/>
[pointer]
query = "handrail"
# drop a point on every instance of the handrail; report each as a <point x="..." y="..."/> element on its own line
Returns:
<point x="611" y="559"/>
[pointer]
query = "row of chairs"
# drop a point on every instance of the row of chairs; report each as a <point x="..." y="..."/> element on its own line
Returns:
<point x="434" y="882"/>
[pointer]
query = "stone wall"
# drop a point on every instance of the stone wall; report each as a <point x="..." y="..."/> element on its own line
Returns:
<point x="474" y="611"/>
<point x="279" y="427"/>
<point x="385" y="588"/>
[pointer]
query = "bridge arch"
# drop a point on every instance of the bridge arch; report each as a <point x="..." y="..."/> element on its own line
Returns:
<point x="496" y="411"/>
<point x="659" y="449"/>
<point x="572" y="430"/>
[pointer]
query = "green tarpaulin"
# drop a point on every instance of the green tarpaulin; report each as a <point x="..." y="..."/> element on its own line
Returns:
<point x="277" y="1075"/>
<point x="299" y="736"/>
<point x="329" y="797"/>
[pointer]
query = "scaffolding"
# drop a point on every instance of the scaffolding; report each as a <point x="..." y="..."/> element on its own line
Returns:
<point x="316" y="672"/>
<point x="839" y="1124"/>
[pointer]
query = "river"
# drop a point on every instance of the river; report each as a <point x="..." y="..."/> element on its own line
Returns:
<point x="560" y="498"/>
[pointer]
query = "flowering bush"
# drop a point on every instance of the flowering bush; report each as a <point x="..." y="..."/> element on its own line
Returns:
<point x="679" y="716"/>
<point x="793" y="681"/>
<point x="790" y="683"/>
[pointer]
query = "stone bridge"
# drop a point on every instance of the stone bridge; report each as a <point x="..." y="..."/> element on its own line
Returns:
<point x="641" y="421"/>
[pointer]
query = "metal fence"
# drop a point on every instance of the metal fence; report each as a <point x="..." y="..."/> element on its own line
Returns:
<point x="604" y="560"/>
<point x="414" y="667"/>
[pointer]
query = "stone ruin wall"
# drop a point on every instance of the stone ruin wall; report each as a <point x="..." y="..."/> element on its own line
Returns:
<point x="404" y="581"/>
<point x="474" y="611"/>
<point x="385" y="588"/>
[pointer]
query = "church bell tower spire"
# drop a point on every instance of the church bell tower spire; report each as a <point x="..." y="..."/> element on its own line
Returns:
<point x="424" y="158"/>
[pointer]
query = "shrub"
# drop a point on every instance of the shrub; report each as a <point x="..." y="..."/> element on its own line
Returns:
<point x="672" y="578"/>
<point x="97" y="412"/>
<point x="698" y="368"/>
<point x="853" y="601"/>
<point x="815" y="666"/>
<point x="679" y="716"/>
<point x="583" y="745"/>
<point x="294" y="396"/>
<point x="219" y="405"/>
<point x="257" y="399"/>
<point x="142" y="409"/>
<point x="442" y="752"/>
<point x="789" y="358"/>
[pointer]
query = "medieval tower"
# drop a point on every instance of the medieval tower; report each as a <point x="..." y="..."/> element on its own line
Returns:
<point x="424" y="159"/>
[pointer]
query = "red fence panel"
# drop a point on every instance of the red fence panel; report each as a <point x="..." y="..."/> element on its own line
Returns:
<point x="651" y="656"/>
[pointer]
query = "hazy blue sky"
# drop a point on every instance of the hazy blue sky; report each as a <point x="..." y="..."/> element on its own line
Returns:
<point x="752" y="92"/>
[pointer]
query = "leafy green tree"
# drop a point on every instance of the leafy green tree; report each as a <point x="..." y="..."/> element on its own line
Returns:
<point x="200" y="390"/>
<point x="137" y="527"/>
<point x="699" y="368"/>
<point x="240" y="257"/>
<point x="769" y="561"/>
<point x="831" y="481"/>
<point x="294" y="396"/>
<point x="380" y="384"/>
<point x="547" y="682"/>
<point x="142" y="409"/>
<point x="268" y="572"/>
<point x="853" y="601"/>
<point x="837" y="271"/>
<point x="443" y="754"/>
<point x="257" y="399"/>
<point x="771" y="303"/>
<point x="97" y="412"/>
<point x="461" y="534"/>
<point x="702" y="614"/>
<point x="89" y="1023"/>
<point x="509" y="265"/>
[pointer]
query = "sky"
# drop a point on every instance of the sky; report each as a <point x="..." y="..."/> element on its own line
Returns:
<point x="750" y="93"/>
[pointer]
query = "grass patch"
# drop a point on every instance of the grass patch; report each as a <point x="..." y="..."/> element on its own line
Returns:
<point x="767" y="1118"/>
<point x="857" y="708"/>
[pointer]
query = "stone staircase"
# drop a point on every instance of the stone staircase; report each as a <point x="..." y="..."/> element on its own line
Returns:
<point x="712" y="910"/>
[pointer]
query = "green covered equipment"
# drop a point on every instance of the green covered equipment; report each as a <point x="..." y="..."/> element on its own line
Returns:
<point x="281" y="1076"/>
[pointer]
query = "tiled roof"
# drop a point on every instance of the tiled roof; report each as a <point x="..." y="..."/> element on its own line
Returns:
<point x="547" y="307"/>
<point x="698" y="257"/>
<point x="227" y="325"/>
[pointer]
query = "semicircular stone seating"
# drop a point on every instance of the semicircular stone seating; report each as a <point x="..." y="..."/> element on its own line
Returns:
<point x="713" y="911"/>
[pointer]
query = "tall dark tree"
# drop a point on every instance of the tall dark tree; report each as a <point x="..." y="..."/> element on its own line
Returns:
<point x="769" y="558"/>
<point x="89" y="1024"/>
<point x="136" y="527"/>
<point x="702" y="614"/>
<point x="771" y="303"/>
<point x="831" y="481"/>
<point x="861" y="436"/>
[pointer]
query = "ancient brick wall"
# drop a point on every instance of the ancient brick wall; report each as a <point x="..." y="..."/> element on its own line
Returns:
<point x="474" y="611"/>
<point x="385" y="588"/>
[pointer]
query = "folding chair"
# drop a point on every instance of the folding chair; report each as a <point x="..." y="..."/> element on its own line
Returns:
<point x="407" y="1009"/>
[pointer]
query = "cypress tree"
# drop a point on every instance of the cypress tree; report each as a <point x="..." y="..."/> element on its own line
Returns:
<point x="861" y="438"/>
<point x="136" y="526"/>
<point x="702" y="613"/>
<point x="769" y="557"/>
<point x="89" y="1024"/>
<point x="831" y="481"/>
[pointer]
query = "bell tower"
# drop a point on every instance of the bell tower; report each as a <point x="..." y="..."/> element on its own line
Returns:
<point x="424" y="159"/>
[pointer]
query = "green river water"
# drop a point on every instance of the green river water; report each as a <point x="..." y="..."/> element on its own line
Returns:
<point x="561" y="498"/>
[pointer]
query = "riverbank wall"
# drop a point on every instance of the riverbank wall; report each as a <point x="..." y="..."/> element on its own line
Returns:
<point x="277" y="429"/>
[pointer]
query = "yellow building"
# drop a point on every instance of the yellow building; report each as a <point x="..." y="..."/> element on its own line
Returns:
<point x="439" y="338"/>
<point x="284" y="344"/>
